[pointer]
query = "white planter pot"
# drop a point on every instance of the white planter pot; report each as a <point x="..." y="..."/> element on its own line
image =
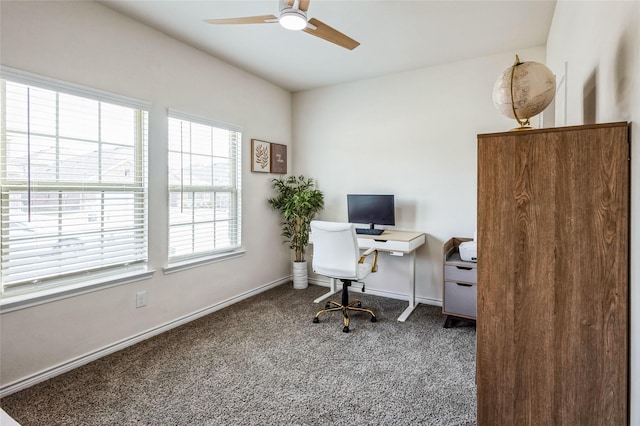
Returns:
<point x="300" y="275"/>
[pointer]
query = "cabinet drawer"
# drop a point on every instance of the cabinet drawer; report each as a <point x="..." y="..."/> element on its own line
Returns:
<point x="460" y="298"/>
<point x="460" y="273"/>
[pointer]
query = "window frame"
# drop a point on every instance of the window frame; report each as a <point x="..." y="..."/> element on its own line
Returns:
<point x="178" y="263"/>
<point x="26" y="294"/>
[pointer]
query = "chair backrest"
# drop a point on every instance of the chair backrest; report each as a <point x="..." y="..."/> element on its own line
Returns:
<point x="335" y="249"/>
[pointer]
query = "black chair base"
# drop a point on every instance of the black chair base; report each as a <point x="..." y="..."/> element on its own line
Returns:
<point x="345" y="307"/>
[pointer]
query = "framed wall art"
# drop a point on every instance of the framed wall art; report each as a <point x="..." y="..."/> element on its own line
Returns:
<point x="278" y="158"/>
<point x="260" y="156"/>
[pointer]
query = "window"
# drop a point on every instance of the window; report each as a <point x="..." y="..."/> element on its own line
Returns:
<point x="74" y="186"/>
<point x="204" y="188"/>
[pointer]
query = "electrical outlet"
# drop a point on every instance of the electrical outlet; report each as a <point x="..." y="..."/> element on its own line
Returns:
<point x="141" y="299"/>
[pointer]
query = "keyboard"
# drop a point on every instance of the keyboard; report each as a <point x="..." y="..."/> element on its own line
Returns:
<point x="369" y="231"/>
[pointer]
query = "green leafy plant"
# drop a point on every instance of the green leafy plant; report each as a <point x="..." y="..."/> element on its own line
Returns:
<point x="298" y="201"/>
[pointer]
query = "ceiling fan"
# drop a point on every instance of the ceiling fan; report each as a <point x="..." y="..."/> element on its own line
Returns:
<point x="293" y="16"/>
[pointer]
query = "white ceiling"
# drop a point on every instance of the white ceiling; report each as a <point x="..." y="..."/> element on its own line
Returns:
<point x="395" y="35"/>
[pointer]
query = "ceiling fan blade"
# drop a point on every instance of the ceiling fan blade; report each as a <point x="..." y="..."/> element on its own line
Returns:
<point x="265" y="19"/>
<point x="303" y="5"/>
<point x="328" y="33"/>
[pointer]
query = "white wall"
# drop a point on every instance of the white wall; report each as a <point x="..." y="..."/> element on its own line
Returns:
<point x="88" y="44"/>
<point x="411" y="134"/>
<point x="600" y="43"/>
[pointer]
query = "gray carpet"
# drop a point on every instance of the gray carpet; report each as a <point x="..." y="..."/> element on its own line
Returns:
<point x="263" y="362"/>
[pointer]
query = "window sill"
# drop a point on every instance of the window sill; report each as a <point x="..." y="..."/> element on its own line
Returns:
<point x="196" y="262"/>
<point x="9" y="303"/>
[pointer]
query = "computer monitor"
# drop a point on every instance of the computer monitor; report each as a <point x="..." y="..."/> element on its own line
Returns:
<point x="372" y="209"/>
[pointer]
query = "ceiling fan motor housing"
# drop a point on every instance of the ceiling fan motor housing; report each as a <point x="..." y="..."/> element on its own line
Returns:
<point x="293" y="19"/>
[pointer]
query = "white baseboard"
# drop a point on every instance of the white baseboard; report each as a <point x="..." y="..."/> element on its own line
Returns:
<point x="382" y="293"/>
<point x="92" y="356"/>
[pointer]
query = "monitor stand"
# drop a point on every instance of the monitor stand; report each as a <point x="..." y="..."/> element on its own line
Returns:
<point x="369" y="231"/>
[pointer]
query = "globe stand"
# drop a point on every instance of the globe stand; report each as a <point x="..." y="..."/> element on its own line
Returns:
<point x="524" y="124"/>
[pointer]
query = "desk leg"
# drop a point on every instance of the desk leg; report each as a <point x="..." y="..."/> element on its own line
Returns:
<point x="412" y="288"/>
<point x="333" y="291"/>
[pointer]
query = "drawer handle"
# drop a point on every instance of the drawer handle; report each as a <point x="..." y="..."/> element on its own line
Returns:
<point x="464" y="267"/>
<point x="464" y="284"/>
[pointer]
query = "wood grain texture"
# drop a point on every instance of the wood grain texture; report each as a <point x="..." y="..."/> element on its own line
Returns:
<point x="553" y="264"/>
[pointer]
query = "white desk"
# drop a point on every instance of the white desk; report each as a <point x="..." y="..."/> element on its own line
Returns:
<point x="396" y="243"/>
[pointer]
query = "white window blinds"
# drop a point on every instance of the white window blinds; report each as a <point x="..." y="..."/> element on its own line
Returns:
<point x="74" y="184"/>
<point x="204" y="187"/>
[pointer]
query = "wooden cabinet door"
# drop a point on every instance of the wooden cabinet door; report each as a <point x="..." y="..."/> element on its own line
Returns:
<point x="553" y="276"/>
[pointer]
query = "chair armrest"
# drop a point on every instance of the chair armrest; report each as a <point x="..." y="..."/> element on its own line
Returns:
<point x="374" y="266"/>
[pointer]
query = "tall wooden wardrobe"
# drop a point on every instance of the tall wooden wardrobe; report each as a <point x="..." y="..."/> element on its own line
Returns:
<point x="553" y="276"/>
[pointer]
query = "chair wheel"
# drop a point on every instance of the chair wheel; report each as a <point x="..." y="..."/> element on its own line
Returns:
<point x="345" y="330"/>
<point x="359" y="305"/>
<point x="327" y="306"/>
<point x="316" y="320"/>
<point x="374" y="319"/>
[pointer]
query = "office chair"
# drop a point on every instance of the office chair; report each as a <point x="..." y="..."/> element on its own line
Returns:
<point x="337" y="256"/>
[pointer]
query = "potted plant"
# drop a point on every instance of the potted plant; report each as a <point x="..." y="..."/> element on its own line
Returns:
<point x="297" y="200"/>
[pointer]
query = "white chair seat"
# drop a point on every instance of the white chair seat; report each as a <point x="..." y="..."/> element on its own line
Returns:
<point x="364" y="269"/>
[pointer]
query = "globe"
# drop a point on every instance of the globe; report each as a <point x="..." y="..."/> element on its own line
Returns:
<point x="523" y="91"/>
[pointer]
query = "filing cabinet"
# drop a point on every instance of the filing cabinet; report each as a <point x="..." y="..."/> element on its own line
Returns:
<point x="459" y="283"/>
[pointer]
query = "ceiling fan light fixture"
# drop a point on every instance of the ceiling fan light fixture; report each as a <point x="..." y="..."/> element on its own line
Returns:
<point x="293" y="20"/>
